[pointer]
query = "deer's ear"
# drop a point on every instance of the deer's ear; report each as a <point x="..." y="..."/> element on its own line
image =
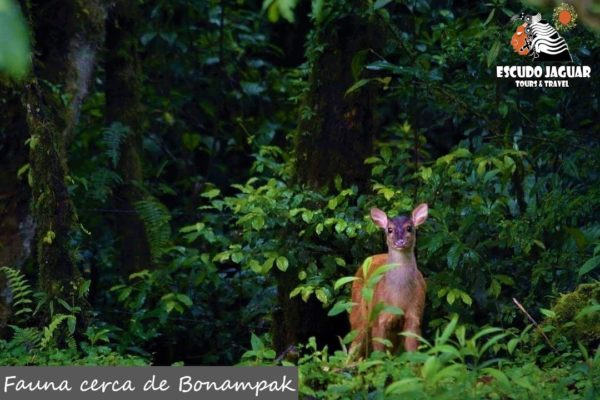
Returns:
<point x="419" y="214"/>
<point x="379" y="217"/>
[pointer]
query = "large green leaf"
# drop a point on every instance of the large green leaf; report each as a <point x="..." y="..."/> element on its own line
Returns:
<point x="14" y="40"/>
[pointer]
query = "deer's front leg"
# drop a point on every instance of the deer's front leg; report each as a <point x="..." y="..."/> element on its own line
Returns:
<point x="384" y="329"/>
<point x="412" y="324"/>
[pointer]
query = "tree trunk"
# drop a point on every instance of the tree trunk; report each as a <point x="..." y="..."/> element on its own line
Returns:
<point x="335" y="131"/>
<point x="123" y="105"/>
<point x="335" y="135"/>
<point x="66" y="37"/>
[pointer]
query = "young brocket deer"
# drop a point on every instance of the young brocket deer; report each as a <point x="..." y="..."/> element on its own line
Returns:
<point x="401" y="286"/>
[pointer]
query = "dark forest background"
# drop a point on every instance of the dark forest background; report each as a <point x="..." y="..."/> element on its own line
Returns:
<point x="187" y="181"/>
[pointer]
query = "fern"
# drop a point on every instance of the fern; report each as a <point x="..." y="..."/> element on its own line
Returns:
<point x="112" y="138"/>
<point x="51" y="329"/>
<point x="30" y="338"/>
<point x="156" y="218"/>
<point x="21" y="293"/>
<point x="102" y="182"/>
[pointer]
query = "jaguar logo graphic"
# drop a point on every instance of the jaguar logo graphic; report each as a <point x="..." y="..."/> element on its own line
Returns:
<point x="540" y="40"/>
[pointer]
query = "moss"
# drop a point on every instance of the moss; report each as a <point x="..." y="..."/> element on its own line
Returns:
<point x="585" y="329"/>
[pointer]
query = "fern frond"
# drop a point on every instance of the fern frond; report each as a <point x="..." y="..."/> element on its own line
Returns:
<point x="102" y="182"/>
<point x="28" y="337"/>
<point x="21" y="292"/>
<point x="156" y="218"/>
<point x="112" y="138"/>
<point x="51" y="329"/>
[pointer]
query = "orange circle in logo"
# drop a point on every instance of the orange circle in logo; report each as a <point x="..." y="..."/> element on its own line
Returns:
<point x="565" y="17"/>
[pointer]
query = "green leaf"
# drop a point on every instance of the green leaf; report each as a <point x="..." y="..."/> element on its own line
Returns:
<point x="386" y="153"/>
<point x="490" y="16"/>
<point x="367" y="294"/>
<point x="403" y="386"/>
<point x="426" y="173"/>
<point x="589" y="265"/>
<point x="211" y="193"/>
<point x="267" y="265"/>
<point x="317" y="10"/>
<point x="385" y="65"/>
<point x="594" y="308"/>
<point x="512" y="343"/>
<point x="393" y="310"/>
<point x="451" y="297"/>
<point x="340" y="226"/>
<point x="255" y="266"/>
<point x="503" y="109"/>
<point x="357" y="85"/>
<point x="306" y="292"/>
<point x="372" y="160"/>
<point x="430" y="367"/>
<point x="332" y="204"/>
<point x="191" y="140"/>
<point x="184" y="299"/>
<point x="493" y="53"/>
<point x="451" y="371"/>
<point x="282" y="263"/>
<point x="296" y="292"/>
<point x="147" y="38"/>
<point x="340" y="307"/>
<point x="377" y="170"/>
<point x="15" y="54"/>
<point x="276" y="8"/>
<point x="256" y="343"/>
<point x="322" y="295"/>
<point x="466" y="298"/>
<point x="548" y="313"/>
<point x="454" y="255"/>
<point x="307" y="216"/>
<point x="486" y="331"/>
<point x="449" y="329"/>
<point x="319" y="228"/>
<point x="71" y="321"/>
<point x="342" y="281"/>
<point x="366" y="265"/>
<point x="358" y="62"/>
<point x="578" y="236"/>
<point x="340" y="261"/>
<point x="380" y="4"/>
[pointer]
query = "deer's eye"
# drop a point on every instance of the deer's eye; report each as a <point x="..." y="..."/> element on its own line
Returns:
<point x="390" y="230"/>
<point x="409" y="228"/>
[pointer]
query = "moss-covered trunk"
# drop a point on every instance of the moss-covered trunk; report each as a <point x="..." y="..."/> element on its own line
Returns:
<point x="335" y="135"/>
<point x="66" y="37"/>
<point x="123" y="105"/>
<point x="53" y="209"/>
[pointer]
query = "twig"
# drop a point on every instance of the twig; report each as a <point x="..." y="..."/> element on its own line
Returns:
<point x="534" y="322"/>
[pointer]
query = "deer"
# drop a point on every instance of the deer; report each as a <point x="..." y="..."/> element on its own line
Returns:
<point x="401" y="285"/>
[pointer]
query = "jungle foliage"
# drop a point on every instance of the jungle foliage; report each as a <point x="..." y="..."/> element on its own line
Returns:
<point x="206" y="231"/>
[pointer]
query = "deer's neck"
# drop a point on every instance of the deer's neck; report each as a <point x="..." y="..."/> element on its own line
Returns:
<point x="405" y="273"/>
<point x="404" y="259"/>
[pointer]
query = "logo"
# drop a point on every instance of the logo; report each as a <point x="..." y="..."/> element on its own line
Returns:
<point x="540" y="42"/>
